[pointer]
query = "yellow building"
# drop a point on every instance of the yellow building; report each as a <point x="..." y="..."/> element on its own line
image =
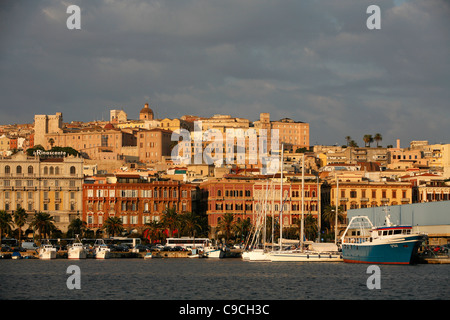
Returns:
<point x="49" y="183"/>
<point x="366" y="194"/>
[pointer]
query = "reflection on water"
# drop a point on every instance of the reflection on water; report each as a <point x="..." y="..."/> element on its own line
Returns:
<point x="227" y="279"/>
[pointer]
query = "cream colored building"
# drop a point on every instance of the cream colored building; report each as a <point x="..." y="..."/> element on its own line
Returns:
<point x="44" y="183"/>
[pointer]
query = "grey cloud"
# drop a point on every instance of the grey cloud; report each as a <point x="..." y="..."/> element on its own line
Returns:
<point x="311" y="61"/>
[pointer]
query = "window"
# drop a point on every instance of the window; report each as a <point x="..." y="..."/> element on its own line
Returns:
<point x="72" y="170"/>
<point x="353" y="194"/>
<point x="18" y="169"/>
<point x="7" y="169"/>
<point x="30" y="170"/>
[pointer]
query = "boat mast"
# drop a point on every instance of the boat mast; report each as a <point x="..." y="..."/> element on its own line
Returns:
<point x="337" y="210"/>
<point x="281" y="198"/>
<point x="303" y="201"/>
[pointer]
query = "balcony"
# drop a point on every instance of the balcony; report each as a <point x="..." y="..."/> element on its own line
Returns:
<point x="406" y="200"/>
<point x="364" y="199"/>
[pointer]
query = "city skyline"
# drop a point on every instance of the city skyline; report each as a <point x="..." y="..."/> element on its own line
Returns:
<point x="315" y="62"/>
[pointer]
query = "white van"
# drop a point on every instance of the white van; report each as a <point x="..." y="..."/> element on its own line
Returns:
<point x="29" y="245"/>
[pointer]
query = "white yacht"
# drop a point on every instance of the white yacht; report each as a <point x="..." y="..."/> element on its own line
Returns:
<point x="101" y="250"/>
<point x="77" y="251"/>
<point x="47" y="252"/>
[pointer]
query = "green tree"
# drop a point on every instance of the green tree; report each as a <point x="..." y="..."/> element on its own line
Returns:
<point x="77" y="226"/>
<point x="171" y="221"/>
<point x="5" y="223"/>
<point x="113" y="226"/>
<point x="226" y="225"/>
<point x="329" y="217"/>
<point x="378" y="137"/>
<point x="242" y="228"/>
<point x="44" y="223"/>
<point x="20" y="218"/>
<point x="348" y="138"/>
<point x="152" y="231"/>
<point x="368" y="139"/>
<point x="30" y="151"/>
<point x="190" y="224"/>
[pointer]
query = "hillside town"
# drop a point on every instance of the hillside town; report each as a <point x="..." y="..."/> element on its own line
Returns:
<point x="123" y="172"/>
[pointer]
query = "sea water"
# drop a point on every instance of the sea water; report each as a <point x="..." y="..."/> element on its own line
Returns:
<point x="217" y="279"/>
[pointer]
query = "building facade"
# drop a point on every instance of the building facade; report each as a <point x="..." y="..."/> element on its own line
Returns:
<point x="47" y="183"/>
<point x="135" y="201"/>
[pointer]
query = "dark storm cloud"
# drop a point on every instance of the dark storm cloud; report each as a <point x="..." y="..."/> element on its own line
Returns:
<point x="313" y="61"/>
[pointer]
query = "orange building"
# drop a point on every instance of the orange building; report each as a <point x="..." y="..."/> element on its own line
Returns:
<point x="135" y="201"/>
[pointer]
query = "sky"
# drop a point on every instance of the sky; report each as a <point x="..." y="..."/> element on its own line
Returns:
<point x="311" y="61"/>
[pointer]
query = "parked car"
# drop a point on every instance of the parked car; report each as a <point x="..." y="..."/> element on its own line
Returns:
<point x="141" y="248"/>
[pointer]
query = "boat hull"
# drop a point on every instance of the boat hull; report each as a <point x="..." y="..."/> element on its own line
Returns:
<point x="395" y="252"/>
<point x="256" y="255"/>
<point x="103" y="254"/>
<point x="306" y="257"/>
<point x="76" y="254"/>
<point x="47" y="255"/>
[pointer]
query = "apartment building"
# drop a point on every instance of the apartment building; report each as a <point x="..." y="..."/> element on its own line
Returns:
<point x="135" y="200"/>
<point x="49" y="183"/>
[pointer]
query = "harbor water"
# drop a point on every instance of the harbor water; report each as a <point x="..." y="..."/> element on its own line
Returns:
<point x="224" y="279"/>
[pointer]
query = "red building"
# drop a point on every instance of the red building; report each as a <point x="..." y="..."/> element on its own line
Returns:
<point x="135" y="200"/>
<point x="246" y="196"/>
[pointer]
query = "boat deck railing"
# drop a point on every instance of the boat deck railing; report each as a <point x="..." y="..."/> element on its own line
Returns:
<point x="356" y="239"/>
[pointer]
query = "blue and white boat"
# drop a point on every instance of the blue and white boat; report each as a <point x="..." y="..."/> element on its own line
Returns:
<point x="389" y="244"/>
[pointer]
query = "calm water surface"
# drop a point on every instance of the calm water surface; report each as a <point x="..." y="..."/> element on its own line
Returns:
<point x="208" y="279"/>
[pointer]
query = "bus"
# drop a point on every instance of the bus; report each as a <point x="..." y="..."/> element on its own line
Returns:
<point x="187" y="242"/>
<point x="130" y="242"/>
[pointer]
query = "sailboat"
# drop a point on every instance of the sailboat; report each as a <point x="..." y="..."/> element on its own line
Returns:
<point x="260" y="252"/>
<point x="319" y="252"/>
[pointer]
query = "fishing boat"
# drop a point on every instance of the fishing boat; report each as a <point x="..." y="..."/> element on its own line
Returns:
<point x="213" y="252"/>
<point x="47" y="252"/>
<point x="77" y="250"/>
<point x="389" y="244"/>
<point x="148" y="255"/>
<point x="101" y="250"/>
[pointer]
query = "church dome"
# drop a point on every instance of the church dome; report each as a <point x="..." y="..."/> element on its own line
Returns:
<point x="146" y="113"/>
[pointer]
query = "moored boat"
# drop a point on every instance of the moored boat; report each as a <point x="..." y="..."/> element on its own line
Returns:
<point x="47" y="252"/>
<point x="389" y="244"/>
<point x="101" y="250"/>
<point x="77" y="250"/>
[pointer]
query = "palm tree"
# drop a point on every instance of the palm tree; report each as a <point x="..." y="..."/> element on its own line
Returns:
<point x="190" y="223"/>
<point x="378" y="137"/>
<point x="113" y="225"/>
<point x="329" y="216"/>
<point x="5" y="223"/>
<point x="43" y="222"/>
<point x="170" y="220"/>
<point x="225" y="225"/>
<point x="353" y="144"/>
<point x="348" y="138"/>
<point x="311" y="227"/>
<point x="20" y="218"/>
<point x="368" y="139"/>
<point x="242" y="228"/>
<point x="77" y="226"/>
<point x="152" y="231"/>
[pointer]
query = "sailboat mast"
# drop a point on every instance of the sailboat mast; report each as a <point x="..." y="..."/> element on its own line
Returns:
<point x="303" y="201"/>
<point x="281" y="198"/>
